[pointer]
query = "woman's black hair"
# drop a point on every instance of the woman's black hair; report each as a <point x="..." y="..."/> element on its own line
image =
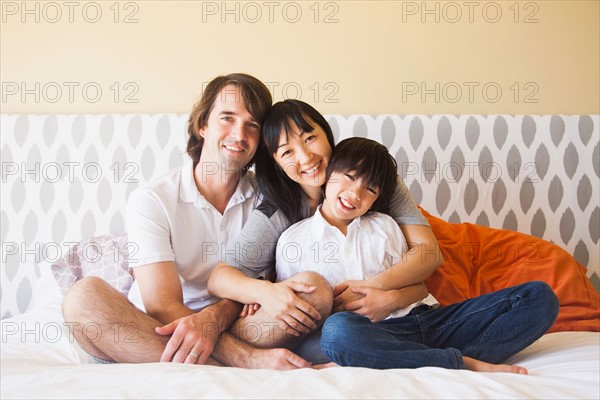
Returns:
<point x="370" y="161"/>
<point x="277" y="189"/>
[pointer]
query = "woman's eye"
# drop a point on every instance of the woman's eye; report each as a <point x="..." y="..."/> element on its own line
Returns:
<point x="285" y="153"/>
<point x="372" y="190"/>
<point x="310" y="138"/>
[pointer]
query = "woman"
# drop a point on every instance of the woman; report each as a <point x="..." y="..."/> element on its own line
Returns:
<point x="296" y="146"/>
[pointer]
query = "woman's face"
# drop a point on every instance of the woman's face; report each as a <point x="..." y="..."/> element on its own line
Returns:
<point x="304" y="156"/>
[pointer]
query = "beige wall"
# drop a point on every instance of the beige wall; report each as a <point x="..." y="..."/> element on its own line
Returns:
<point x="369" y="57"/>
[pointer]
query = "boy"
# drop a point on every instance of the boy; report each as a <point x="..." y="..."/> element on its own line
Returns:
<point x="349" y="238"/>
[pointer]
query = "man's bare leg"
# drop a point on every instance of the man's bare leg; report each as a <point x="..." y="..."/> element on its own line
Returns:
<point x="106" y="325"/>
<point x="262" y="332"/>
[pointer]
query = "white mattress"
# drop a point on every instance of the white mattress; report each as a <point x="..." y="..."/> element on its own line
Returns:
<point x="39" y="361"/>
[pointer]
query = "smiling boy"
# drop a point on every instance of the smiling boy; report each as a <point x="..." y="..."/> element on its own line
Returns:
<point x="349" y="238"/>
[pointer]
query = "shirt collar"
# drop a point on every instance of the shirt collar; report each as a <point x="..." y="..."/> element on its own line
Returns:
<point x="320" y="224"/>
<point x="188" y="192"/>
<point x="362" y="223"/>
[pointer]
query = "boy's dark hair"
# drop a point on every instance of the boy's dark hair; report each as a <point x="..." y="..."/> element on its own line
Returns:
<point x="256" y="97"/>
<point x="279" y="191"/>
<point x="370" y="161"/>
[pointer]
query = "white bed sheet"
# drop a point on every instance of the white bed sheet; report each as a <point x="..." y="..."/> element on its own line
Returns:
<point x="39" y="361"/>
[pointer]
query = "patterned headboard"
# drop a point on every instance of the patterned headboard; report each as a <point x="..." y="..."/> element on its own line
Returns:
<point x="65" y="177"/>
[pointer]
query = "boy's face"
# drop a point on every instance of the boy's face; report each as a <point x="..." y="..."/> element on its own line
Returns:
<point x="347" y="197"/>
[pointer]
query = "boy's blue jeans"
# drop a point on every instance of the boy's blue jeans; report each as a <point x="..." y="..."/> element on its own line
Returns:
<point x="490" y="328"/>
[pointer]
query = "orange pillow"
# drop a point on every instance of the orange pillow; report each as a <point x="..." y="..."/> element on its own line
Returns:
<point x="480" y="260"/>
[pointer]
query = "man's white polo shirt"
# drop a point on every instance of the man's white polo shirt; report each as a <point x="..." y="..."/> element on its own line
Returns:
<point x="169" y="220"/>
<point x="373" y="243"/>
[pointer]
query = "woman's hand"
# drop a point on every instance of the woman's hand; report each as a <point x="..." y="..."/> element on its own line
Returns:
<point x="294" y="315"/>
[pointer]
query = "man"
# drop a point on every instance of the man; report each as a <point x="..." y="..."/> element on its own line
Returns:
<point x="177" y="223"/>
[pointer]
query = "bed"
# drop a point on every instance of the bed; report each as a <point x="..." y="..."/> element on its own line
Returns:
<point x="532" y="174"/>
<point x="561" y="365"/>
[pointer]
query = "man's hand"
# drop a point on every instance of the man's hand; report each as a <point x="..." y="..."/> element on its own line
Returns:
<point x="375" y="304"/>
<point x="193" y="338"/>
<point x="294" y="315"/>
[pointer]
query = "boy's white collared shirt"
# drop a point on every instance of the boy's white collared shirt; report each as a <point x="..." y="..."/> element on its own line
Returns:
<point x="373" y="243"/>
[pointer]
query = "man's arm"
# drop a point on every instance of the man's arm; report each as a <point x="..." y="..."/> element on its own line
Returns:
<point x="190" y="331"/>
<point x="161" y="291"/>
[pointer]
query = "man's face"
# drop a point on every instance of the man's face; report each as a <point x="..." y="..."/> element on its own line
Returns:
<point x="231" y="133"/>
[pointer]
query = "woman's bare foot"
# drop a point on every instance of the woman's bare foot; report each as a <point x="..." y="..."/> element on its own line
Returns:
<point x="480" y="366"/>
<point x="323" y="366"/>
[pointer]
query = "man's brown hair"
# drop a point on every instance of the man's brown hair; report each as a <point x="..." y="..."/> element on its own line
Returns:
<point x="256" y="98"/>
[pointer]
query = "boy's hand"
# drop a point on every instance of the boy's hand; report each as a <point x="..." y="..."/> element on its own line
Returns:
<point x="375" y="304"/>
<point x="249" y="309"/>
<point x="343" y="295"/>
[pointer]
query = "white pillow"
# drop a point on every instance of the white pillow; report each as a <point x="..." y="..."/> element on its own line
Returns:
<point x="102" y="256"/>
<point x="45" y="290"/>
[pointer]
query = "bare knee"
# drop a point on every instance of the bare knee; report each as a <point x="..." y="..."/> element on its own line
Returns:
<point x="83" y="296"/>
<point x="260" y="331"/>
<point x="79" y="307"/>
<point x="322" y="297"/>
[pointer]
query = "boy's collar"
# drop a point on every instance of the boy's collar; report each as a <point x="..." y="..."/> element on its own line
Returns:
<point x="319" y="223"/>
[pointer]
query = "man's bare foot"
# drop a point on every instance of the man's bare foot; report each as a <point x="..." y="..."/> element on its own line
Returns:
<point x="323" y="366"/>
<point x="481" y="366"/>
<point x="212" y="361"/>
<point x="281" y="359"/>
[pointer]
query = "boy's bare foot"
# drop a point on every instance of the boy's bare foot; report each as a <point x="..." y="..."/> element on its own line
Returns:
<point x="481" y="366"/>
<point x="323" y="366"/>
